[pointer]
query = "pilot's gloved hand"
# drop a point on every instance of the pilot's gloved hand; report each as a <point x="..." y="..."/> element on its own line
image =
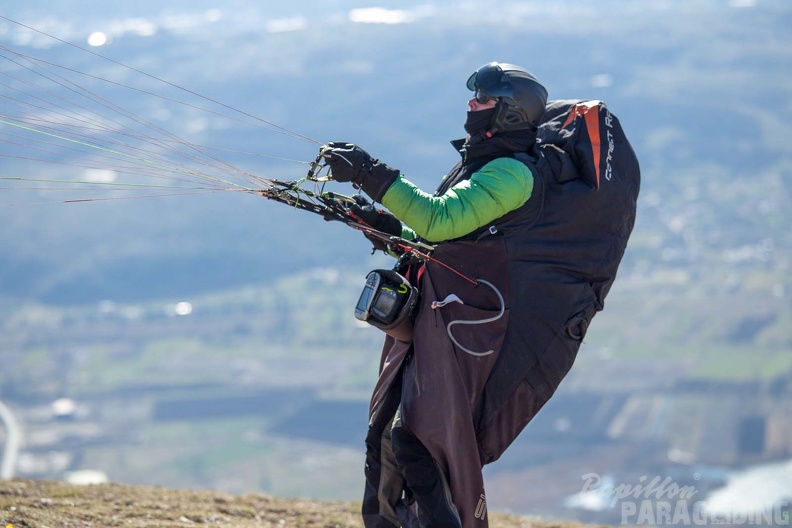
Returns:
<point x="350" y="163"/>
<point x="378" y="219"/>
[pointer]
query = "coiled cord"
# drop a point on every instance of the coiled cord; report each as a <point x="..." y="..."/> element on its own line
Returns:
<point x="477" y="322"/>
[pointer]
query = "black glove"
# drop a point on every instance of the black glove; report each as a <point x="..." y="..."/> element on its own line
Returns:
<point x="350" y="163"/>
<point x="378" y="219"/>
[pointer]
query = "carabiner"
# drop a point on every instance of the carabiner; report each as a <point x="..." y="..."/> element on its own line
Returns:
<point x="317" y="166"/>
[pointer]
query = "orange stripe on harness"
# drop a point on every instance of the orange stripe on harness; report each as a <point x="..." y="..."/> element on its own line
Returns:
<point x="592" y="125"/>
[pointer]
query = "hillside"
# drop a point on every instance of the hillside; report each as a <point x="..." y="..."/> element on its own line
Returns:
<point x="28" y="503"/>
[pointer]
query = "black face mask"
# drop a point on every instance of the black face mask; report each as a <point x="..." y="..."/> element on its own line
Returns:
<point x="478" y="122"/>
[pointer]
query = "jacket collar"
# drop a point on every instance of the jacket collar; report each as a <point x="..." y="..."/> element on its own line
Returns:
<point x="496" y="146"/>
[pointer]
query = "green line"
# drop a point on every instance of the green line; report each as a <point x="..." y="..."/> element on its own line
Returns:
<point x="114" y="184"/>
<point x="176" y="168"/>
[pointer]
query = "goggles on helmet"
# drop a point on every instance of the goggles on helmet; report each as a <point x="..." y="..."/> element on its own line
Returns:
<point x="491" y="82"/>
<point x="483" y="98"/>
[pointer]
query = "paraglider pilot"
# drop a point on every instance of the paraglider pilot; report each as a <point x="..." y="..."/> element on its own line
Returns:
<point x="482" y="356"/>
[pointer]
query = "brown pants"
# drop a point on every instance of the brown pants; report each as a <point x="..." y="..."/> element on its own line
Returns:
<point x="404" y="485"/>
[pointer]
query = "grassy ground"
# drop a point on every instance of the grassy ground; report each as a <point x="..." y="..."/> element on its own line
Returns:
<point x="40" y="504"/>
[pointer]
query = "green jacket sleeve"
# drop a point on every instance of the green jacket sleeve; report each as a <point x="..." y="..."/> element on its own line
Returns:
<point x="499" y="187"/>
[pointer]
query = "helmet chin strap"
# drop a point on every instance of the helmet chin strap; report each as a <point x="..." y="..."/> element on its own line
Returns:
<point x="499" y="123"/>
<point x="499" y="119"/>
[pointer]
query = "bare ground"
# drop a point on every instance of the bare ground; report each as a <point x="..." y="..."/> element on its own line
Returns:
<point x="47" y="504"/>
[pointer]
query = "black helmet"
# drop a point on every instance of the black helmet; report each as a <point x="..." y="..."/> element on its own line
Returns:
<point x="522" y="97"/>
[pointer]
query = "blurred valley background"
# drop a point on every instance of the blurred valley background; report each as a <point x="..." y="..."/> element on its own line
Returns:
<point x="208" y="340"/>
